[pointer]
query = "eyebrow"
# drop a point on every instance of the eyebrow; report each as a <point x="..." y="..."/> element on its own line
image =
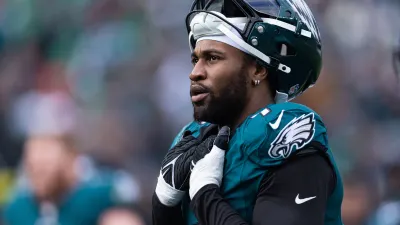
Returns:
<point x="208" y="52"/>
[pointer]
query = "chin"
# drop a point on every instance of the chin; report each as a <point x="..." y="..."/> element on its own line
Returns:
<point x="206" y="114"/>
<point x="200" y="113"/>
<point x="220" y="111"/>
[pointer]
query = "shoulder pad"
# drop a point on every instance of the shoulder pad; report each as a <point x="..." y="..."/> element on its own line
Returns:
<point x="278" y="131"/>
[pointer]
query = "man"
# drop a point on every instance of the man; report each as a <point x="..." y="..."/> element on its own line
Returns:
<point x="58" y="184"/>
<point x="250" y="58"/>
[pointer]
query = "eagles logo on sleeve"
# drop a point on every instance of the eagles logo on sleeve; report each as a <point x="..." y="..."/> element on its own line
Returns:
<point x="298" y="132"/>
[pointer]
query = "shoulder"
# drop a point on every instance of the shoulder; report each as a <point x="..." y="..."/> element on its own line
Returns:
<point x="20" y="201"/>
<point x="279" y="130"/>
<point x="194" y="127"/>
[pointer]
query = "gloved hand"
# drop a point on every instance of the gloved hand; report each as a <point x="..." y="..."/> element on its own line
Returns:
<point x="173" y="174"/>
<point x="209" y="170"/>
<point x="173" y="180"/>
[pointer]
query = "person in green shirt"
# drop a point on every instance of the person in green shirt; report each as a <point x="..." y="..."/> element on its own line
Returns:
<point x="60" y="186"/>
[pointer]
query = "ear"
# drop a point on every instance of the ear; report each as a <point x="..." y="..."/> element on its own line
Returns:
<point x="261" y="72"/>
<point x="257" y="71"/>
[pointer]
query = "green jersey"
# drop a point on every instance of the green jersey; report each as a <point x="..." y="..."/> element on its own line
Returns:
<point x="265" y="140"/>
<point x="97" y="191"/>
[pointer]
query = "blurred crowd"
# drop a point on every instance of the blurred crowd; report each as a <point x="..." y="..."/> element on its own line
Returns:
<point x="93" y="92"/>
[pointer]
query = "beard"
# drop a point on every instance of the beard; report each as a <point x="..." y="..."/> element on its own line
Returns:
<point x="227" y="107"/>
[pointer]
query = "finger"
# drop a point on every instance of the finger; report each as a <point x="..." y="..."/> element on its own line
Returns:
<point x="222" y="139"/>
<point x="210" y="142"/>
<point x="203" y="149"/>
<point x="205" y="132"/>
<point x="185" y="140"/>
<point x="190" y="144"/>
<point x="187" y="137"/>
<point x="225" y="130"/>
<point x="182" y="146"/>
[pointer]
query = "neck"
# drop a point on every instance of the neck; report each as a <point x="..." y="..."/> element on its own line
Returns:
<point x="255" y="102"/>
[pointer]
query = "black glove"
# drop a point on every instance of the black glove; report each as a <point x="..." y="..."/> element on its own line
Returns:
<point x="188" y="150"/>
<point x="174" y="176"/>
<point x="176" y="163"/>
<point x="209" y="169"/>
<point x="207" y="137"/>
<point x="206" y="132"/>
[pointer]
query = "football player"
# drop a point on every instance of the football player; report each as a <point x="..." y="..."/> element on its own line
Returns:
<point x="250" y="156"/>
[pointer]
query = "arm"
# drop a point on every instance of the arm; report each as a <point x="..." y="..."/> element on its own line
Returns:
<point x="306" y="176"/>
<point x="164" y="215"/>
<point x="173" y="181"/>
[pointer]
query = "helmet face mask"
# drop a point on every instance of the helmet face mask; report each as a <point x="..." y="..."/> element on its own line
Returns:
<point x="281" y="34"/>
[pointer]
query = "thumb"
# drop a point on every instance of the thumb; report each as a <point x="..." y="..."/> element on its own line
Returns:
<point x="222" y="139"/>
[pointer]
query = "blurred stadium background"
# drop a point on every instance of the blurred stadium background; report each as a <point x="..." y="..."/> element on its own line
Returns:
<point x="92" y="92"/>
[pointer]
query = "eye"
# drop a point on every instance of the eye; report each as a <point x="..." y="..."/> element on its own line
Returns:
<point x="194" y="60"/>
<point x="213" y="58"/>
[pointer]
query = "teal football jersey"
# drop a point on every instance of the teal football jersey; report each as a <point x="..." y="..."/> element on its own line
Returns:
<point x="264" y="140"/>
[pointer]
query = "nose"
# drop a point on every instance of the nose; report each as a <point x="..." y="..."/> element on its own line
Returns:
<point x="199" y="72"/>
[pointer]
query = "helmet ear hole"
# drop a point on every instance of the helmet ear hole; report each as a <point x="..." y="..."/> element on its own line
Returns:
<point x="286" y="49"/>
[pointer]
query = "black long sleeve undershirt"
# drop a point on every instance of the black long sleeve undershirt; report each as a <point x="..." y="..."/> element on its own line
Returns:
<point x="163" y="215"/>
<point x="305" y="177"/>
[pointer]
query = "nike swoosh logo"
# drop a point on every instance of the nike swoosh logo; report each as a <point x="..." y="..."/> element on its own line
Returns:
<point x="277" y="122"/>
<point x="301" y="201"/>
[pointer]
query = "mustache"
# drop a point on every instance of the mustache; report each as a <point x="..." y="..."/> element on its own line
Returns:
<point x="197" y="88"/>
